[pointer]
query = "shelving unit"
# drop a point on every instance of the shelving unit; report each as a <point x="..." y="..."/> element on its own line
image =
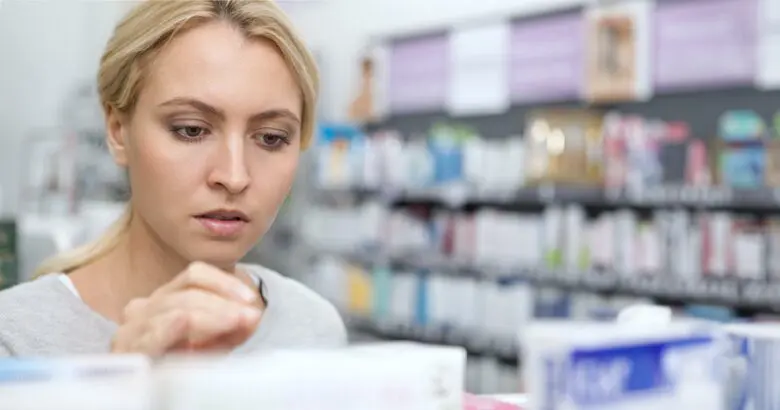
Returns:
<point x="763" y="200"/>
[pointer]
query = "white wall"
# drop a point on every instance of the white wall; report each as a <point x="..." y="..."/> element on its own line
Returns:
<point x="339" y="30"/>
<point x="46" y="48"/>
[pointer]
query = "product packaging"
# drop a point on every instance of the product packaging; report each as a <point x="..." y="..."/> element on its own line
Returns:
<point x="608" y="366"/>
<point x="564" y="147"/>
<point x="341" y="152"/>
<point x="77" y="383"/>
<point x="379" y="377"/>
<point x="743" y="153"/>
<point x="754" y="368"/>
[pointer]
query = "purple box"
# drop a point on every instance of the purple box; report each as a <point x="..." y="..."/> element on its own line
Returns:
<point x="547" y="58"/>
<point x="704" y="44"/>
<point x="418" y="74"/>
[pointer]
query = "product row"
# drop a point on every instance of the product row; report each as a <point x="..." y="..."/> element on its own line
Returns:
<point x="483" y="315"/>
<point x="616" y="51"/>
<point x="667" y="243"/>
<point x="569" y="147"/>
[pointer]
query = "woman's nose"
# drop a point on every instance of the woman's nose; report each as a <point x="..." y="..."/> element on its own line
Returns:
<point x="230" y="171"/>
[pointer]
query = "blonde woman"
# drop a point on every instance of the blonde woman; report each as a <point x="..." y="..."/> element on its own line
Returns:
<point x="208" y="104"/>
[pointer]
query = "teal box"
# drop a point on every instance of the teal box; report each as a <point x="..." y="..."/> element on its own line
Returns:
<point x="743" y="167"/>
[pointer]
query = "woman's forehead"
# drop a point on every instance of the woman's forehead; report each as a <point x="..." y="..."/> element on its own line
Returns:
<point x="216" y="62"/>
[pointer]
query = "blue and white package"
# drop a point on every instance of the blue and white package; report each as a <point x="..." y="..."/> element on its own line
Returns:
<point x="114" y="382"/>
<point x="570" y="366"/>
<point x="754" y="366"/>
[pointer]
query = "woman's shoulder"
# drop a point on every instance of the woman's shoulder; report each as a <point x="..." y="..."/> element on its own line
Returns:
<point x="43" y="316"/>
<point x="23" y="297"/>
<point x="301" y="308"/>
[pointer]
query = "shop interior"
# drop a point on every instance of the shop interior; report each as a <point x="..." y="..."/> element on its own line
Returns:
<point x="506" y="179"/>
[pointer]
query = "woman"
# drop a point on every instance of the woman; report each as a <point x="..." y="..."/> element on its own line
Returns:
<point x="208" y="104"/>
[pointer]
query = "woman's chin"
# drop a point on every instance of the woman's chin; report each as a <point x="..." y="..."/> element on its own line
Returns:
<point x="221" y="255"/>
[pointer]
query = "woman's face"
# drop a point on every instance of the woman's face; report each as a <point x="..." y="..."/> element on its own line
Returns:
<point x="213" y="143"/>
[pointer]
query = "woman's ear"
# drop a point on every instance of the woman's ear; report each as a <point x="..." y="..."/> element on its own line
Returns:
<point x="115" y="136"/>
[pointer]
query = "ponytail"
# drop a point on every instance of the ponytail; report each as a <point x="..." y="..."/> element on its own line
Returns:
<point x="86" y="254"/>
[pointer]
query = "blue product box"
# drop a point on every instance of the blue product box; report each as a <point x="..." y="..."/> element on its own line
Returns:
<point x="743" y="167"/>
<point x="649" y="374"/>
<point x="448" y="161"/>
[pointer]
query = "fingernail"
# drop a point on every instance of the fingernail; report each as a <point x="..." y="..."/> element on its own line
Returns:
<point x="246" y="294"/>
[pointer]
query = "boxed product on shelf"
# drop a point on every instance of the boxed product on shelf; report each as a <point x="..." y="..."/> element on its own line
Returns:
<point x="568" y="365"/>
<point x="341" y="154"/>
<point x="495" y="166"/>
<point x="389" y="376"/>
<point x="742" y="136"/>
<point x="564" y="147"/>
<point x="76" y="383"/>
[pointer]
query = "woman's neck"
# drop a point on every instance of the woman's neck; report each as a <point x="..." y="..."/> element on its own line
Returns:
<point x="135" y="268"/>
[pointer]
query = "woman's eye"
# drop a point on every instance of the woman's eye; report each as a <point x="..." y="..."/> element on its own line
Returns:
<point x="190" y="132"/>
<point x="273" y="140"/>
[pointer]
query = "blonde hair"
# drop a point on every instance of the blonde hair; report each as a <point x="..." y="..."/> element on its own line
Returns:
<point x="136" y="41"/>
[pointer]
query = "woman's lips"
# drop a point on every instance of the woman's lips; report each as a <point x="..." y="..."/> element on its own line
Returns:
<point x="222" y="227"/>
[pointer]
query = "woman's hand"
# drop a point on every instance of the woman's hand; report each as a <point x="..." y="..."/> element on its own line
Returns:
<point x="203" y="308"/>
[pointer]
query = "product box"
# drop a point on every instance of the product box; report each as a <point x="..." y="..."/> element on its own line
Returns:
<point x="378" y="377"/>
<point x="754" y="366"/>
<point x="120" y="382"/>
<point x="564" y="147"/>
<point x="9" y="260"/>
<point x="609" y="366"/>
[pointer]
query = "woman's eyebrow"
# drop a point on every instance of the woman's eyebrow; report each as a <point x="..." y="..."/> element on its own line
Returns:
<point x="195" y="103"/>
<point x="272" y="114"/>
<point x="276" y="114"/>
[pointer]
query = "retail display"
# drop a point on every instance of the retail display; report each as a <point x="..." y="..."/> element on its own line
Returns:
<point x="465" y="242"/>
<point x="576" y="364"/>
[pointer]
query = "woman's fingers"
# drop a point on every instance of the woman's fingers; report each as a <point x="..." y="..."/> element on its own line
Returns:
<point x="209" y="316"/>
<point x="207" y="325"/>
<point x="202" y="308"/>
<point x="209" y="278"/>
<point x="153" y="337"/>
<point x="164" y="332"/>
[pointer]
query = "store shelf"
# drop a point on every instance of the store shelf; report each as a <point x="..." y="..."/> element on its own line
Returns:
<point x="476" y="343"/>
<point x="756" y="295"/>
<point x="759" y="199"/>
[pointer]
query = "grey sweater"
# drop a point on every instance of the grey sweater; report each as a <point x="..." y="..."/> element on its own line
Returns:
<point x="46" y="318"/>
